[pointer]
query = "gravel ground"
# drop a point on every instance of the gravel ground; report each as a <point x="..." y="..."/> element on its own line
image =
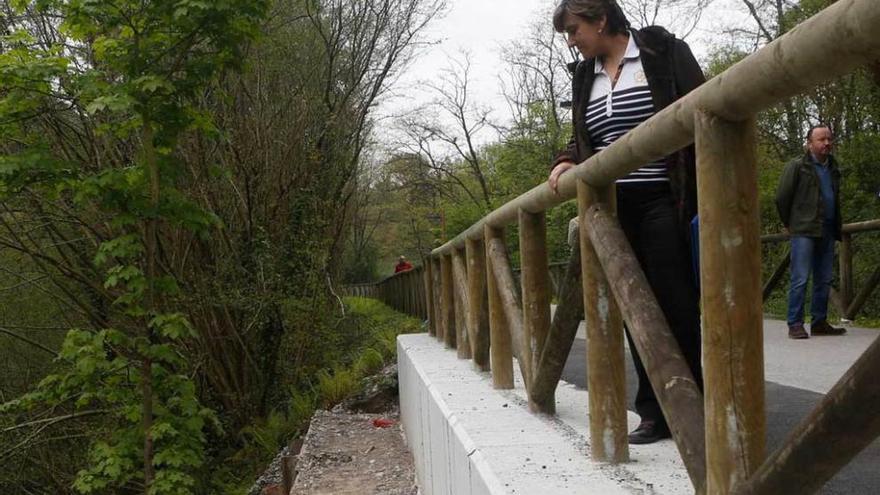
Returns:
<point x="354" y="454"/>
<point x="357" y="448"/>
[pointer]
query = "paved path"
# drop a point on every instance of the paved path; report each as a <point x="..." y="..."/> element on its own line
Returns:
<point x="798" y="373"/>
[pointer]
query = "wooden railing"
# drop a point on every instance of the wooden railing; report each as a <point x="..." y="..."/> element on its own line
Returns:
<point x="475" y="307"/>
<point x="845" y="300"/>
<point x="402" y="291"/>
<point x="475" y="301"/>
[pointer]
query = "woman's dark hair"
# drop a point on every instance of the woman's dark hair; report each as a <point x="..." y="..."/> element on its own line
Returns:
<point x="592" y="11"/>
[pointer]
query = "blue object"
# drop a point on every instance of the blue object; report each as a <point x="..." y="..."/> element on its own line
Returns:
<point x="827" y="191"/>
<point x="695" y="248"/>
<point x="814" y="254"/>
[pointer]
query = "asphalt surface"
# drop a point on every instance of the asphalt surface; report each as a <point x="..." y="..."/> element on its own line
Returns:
<point x="798" y="373"/>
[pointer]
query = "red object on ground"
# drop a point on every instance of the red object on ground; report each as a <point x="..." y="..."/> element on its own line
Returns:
<point x="272" y="490"/>
<point x="382" y="423"/>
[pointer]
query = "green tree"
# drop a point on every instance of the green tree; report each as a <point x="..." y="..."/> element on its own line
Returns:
<point x="136" y="67"/>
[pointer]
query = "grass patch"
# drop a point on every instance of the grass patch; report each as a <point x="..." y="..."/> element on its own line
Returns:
<point x="378" y="326"/>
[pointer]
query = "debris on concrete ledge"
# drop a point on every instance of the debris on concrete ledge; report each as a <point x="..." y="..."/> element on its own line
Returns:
<point x="354" y="454"/>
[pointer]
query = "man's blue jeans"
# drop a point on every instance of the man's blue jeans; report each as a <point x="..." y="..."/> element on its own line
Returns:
<point x="816" y="254"/>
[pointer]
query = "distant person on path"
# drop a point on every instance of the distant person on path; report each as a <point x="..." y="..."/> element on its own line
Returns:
<point x="402" y="265"/>
<point x="808" y="200"/>
<point x="625" y="77"/>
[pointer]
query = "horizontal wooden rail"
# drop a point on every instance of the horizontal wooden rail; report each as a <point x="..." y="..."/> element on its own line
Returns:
<point x="782" y="69"/>
<point x="847" y="303"/>
<point x="847" y="228"/>
<point x="826" y="440"/>
<point x="720" y="438"/>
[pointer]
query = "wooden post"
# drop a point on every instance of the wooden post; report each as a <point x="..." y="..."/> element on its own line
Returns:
<point x="414" y="283"/>
<point x="508" y="292"/>
<point x="500" y="352"/>
<point x="730" y="258"/>
<point x="563" y="331"/>
<point x="423" y="295"/>
<point x="841" y="426"/>
<point x="535" y="284"/>
<point x="406" y="291"/>
<point x="447" y="301"/>
<point x="774" y="279"/>
<point x="478" y="309"/>
<point x="862" y="297"/>
<point x="413" y="291"/>
<point x="669" y="373"/>
<point x="429" y="298"/>
<point x="462" y="305"/>
<point x="438" y="297"/>
<point x="403" y="291"/>
<point x="606" y="373"/>
<point x="846" y="275"/>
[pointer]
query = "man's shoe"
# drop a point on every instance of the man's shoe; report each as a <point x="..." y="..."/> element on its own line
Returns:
<point x="649" y="432"/>
<point x="797" y="331"/>
<point x="823" y="328"/>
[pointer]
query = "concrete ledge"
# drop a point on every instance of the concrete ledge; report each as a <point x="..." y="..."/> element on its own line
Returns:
<point x="469" y="439"/>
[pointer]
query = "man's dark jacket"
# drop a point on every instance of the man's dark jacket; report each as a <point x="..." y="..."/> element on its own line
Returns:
<point x="799" y="197"/>
<point x="672" y="71"/>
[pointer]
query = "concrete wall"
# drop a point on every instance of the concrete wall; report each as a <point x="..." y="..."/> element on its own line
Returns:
<point x="446" y="458"/>
<point x="468" y="438"/>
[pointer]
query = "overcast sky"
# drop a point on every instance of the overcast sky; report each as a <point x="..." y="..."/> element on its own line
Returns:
<point x="484" y="27"/>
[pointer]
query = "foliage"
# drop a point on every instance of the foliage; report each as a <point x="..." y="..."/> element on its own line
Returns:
<point x="191" y="210"/>
<point x="340" y="376"/>
<point x="136" y="69"/>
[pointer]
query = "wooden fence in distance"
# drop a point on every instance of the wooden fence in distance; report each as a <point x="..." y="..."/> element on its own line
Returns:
<point x="476" y="307"/>
<point x="404" y="291"/>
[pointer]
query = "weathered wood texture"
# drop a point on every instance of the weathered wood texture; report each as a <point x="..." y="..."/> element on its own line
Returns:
<point x="462" y="306"/>
<point x="841" y="426"/>
<point x="447" y="301"/>
<point x="671" y="378"/>
<point x="563" y="330"/>
<point x="862" y="296"/>
<point x="606" y="374"/>
<point x="510" y="305"/>
<point x="535" y="283"/>
<point x="782" y="69"/>
<point x="438" y="297"/>
<point x="777" y="276"/>
<point x="846" y="301"/>
<point x="719" y="116"/>
<point x="429" y="297"/>
<point x="500" y="351"/>
<point x="478" y="309"/>
<point x="845" y="270"/>
<point x="730" y="258"/>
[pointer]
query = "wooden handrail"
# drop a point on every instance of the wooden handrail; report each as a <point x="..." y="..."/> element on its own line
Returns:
<point x="719" y="118"/>
<point x="847" y="228"/>
<point x="846" y="302"/>
<point x="787" y="67"/>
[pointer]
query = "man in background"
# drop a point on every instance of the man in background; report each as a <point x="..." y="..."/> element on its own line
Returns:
<point x="402" y="265"/>
<point x="808" y="201"/>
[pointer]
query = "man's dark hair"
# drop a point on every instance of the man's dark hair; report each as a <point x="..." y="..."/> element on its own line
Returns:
<point x="592" y="11"/>
<point x="817" y="126"/>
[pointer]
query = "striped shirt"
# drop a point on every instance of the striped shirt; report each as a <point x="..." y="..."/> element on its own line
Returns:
<point x="611" y="113"/>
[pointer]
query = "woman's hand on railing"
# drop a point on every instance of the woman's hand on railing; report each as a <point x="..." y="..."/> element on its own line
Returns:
<point x="558" y="170"/>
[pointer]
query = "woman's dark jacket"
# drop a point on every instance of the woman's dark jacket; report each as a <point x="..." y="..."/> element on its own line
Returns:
<point x="672" y="71"/>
